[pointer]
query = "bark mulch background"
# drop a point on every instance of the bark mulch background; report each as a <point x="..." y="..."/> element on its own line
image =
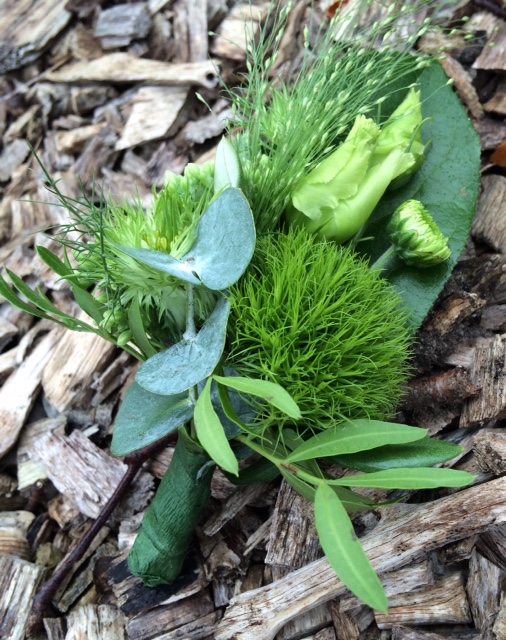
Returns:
<point x="107" y="91"/>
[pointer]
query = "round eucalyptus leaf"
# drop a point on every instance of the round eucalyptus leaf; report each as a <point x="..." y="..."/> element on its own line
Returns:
<point x="145" y="417"/>
<point x="163" y="262"/>
<point x="188" y="362"/>
<point x="225" y="241"/>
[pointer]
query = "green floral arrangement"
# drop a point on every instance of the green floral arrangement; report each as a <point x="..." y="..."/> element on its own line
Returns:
<point x="272" y="297"/>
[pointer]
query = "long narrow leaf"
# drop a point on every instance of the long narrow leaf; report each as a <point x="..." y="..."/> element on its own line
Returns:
<point x="423" y="453"/>
<point x="54" y="262"/>
<point x="88" y="304"/>
<point x="137" y="328"/>
<point x="359" y="435"/>
<point x="418" y="478"/>
<point x="211" y="433"/>
<point x="343" y="550"/>
<point x="269" y="391"/>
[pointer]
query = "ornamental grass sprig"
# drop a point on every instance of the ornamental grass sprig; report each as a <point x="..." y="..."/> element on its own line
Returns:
<point x="282" y="132"/>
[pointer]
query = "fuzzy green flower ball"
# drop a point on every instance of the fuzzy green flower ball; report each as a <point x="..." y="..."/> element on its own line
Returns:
<point x="314" y="318"/>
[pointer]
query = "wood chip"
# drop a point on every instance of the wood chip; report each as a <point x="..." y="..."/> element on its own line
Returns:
<point x="14" y="527"/>
<point x="239" y="499"/>
<point x="293" y="540"/>
<point x="27" y="27"/>
<point x="19" y="581"/>
<point x="74" y="140"/>
<point x="30" y="466"/>
<point x="81" y="471"/>
<point x="11" y="157"/>
<point x="493" y="55"/>
<point x="154" y="115"/>
<point x="445" y="602"/>
<point x="19" y="391"/>
<point x="119" y="25"/>
<point x="126" y="68"/>
<point x="483" y="588"/>
<point x="96" y="622"/>
<point x="463" y="85"/>
<point x="489" y="373"/>
<point x="74" y="363"/>
<point x="240" y="26"/>
<point x="490" y="222"/>
<point x="166" y="618"/>
<point x="490" y="450"/>
<point x="405" y="533"/>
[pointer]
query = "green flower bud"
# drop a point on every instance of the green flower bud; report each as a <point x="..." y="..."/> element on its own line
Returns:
<point x="403" y="130"/>
<point x="416" y="237"/>
<point x="124" y="338"/>
<point x="336" y="199"/>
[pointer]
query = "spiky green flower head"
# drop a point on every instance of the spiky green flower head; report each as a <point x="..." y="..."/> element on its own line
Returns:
<point x="314" y="318"/>
<point x="122" y="282"/>
<point x="415" y="236"/>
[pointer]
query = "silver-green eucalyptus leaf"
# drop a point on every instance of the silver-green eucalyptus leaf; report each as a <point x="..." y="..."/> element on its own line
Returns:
<point x="189" y="361"/>
<point x="144" y="418"/>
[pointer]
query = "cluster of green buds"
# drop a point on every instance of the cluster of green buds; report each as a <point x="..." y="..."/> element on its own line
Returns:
<point x="336" y="199"/>
<point x="115" y="323"/>
<point x="415" y="236"/>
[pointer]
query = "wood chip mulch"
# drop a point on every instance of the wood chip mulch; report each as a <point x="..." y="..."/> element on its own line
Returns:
<point x="106" y="91"/>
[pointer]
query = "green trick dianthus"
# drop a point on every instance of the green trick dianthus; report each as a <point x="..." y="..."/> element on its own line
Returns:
<point x="314" y="318"/>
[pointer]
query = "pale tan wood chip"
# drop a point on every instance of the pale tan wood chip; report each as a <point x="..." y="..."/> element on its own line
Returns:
<point x="197" y="28"/>
<point x="445" y="602"/>
<point x="293" y="540"/>
<point x="490" y="450"/>
<point x="18" y="583"/>
<point x="27" y="27"/>
<point x="454" y="310"/>
<point x="488" y="372"/>
<point x="490" y="221"/>
<point x="199" y="629"/>
<point x="30" y="467"/>
<point x="405" y="533"/>
<point x="122" y="23"/>
<point x="484" y="586"/>
<point x="14" y="527"/>
<point x="499" y="628"/>
<point x="463" y="85"/>
<point x="406" y="633"/>
<point x="241" y="25"/>
<point x="74" y="140"/>
<point x="126" y="68"/>
<point x="96" y="622"/>
<point x="154" y="115"/>
<point x="12" y="156"/>
<point x="74" y="364"/>
<point x="19" y="391"/>
<point x="493" y="55"/>
<point x="497" y="104"/>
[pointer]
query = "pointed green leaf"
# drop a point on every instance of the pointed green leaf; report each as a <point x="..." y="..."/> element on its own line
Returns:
<point x="144" y="418"/>
<point x="422" y="453"/>
<point x="137" y="328"/>
<point x="344" y="551"/>
<point x="211" y="433"/>
<point x="418" y="478"/>
<point x="269" y="391"/>
<point x="223" y="248"/>
<point x="189" y="361"/>
<point x="41" y="301"/>
<point x="88" y="303"/>
<point x="227" y="171"/>
<point x="359" y="435"/>
<point x="54" y="262"/>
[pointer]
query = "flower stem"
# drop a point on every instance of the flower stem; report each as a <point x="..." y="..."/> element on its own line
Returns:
<point x="386" y="260"/>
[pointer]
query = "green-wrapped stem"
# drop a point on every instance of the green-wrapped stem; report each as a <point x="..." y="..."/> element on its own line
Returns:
<point x="163" y="541"/>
